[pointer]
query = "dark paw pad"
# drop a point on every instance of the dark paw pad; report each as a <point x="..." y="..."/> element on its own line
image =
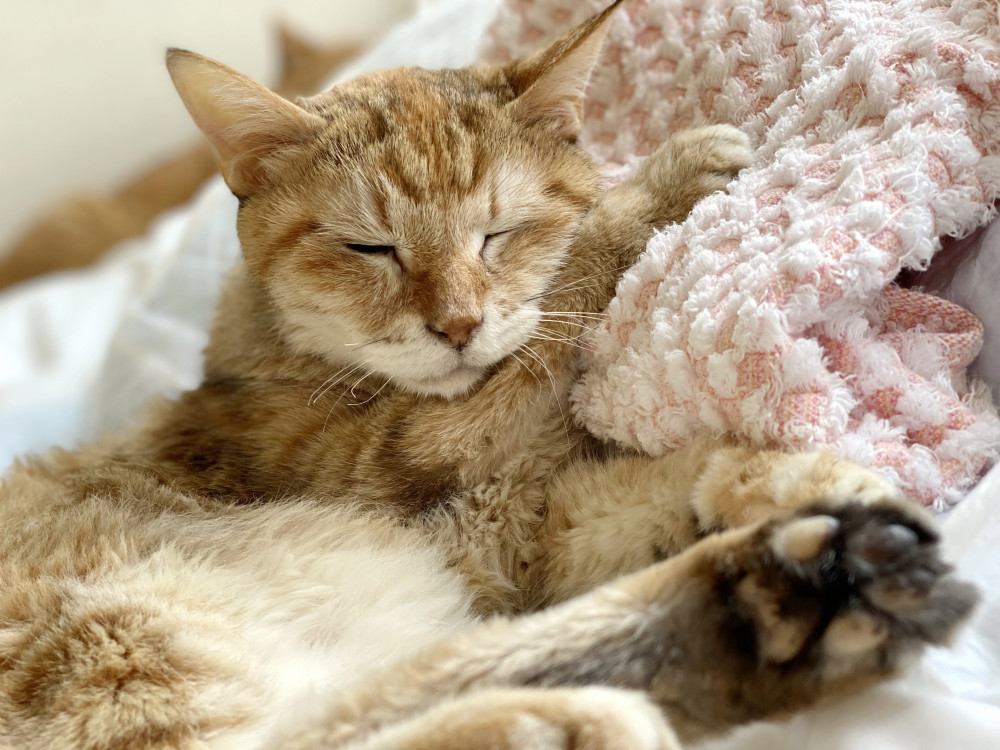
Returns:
<point x="805" y="608"/>
<point x="854" y="583"/>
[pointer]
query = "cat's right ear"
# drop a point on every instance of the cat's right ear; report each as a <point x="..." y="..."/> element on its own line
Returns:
<point x="248" y="125"/>
<point x="549" y="85"/>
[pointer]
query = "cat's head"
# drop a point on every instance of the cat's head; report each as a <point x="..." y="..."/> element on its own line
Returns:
<point x="408" y="221"/>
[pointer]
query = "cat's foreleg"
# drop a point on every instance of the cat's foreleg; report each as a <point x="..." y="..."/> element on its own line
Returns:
<point x="606" y="519"/>
<point x="689" y="166"/>
<point x="748" y="624"/>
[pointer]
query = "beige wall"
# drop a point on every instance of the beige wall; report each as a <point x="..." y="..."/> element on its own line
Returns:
<point x="85" y="96"/>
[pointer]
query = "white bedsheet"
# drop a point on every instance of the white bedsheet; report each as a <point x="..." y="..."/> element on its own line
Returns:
<point x="81" y="352"/>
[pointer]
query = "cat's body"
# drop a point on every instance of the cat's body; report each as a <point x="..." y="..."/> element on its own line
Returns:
<point x="296" y="553"/>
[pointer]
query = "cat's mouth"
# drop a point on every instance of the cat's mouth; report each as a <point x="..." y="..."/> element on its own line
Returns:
<point x="451" y="385"/>
<point x="427" y="366"/>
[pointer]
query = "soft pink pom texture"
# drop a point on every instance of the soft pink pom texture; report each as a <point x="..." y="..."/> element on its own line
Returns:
<point x="771" y="311"/>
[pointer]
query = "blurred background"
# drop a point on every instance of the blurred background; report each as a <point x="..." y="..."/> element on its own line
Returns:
<point x="87" y="102"/>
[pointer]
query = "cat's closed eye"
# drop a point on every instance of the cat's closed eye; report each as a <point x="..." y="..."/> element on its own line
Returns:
<point x="490" y="240"/>
<point x="371" y="249"/>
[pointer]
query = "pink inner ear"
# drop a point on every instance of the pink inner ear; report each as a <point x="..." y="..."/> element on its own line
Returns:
<point x="556" y="100"/>
<point x="245" y="122"/>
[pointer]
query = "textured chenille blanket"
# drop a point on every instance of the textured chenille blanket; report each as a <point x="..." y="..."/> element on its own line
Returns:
<point x="772" y="311"/>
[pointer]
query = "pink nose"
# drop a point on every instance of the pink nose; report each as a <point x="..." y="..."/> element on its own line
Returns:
<point x="457" y="331"/>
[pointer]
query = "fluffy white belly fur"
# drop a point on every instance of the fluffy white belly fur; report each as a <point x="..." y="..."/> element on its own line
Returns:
<point x="351" y="611"/>
<point x="277" y="608"/>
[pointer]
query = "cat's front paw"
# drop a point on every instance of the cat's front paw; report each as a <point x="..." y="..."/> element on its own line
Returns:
<point x="715" y="153"/>
<point x="691" y="165"/>
<point x="813" y="605"/>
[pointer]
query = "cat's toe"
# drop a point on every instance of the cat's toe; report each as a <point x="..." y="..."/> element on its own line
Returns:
<point x="883" y="544"/>
<point x="804" y="538"/>
<point x="879" y="586"/>
<point x="905" y="591"/>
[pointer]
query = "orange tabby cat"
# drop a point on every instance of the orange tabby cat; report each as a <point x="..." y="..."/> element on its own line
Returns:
<point x="79" y="229"/>
<point x="299" y="553"/>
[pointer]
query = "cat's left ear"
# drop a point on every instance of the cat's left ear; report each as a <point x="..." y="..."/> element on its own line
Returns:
<point x="250" y="126"/>
<point x="550" y="84"/>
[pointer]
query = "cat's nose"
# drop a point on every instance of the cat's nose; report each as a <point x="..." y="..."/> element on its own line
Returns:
<point x="457" y="331"/>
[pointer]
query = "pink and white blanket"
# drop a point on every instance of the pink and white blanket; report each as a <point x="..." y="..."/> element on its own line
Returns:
<point x="772" y="310"/>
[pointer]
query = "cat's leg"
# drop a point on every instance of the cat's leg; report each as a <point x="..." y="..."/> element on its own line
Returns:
<point x="607" y="518"/>
<point x="748" y="624"/>
<point x="689" y="166"/>
<point x="591" y="718"/>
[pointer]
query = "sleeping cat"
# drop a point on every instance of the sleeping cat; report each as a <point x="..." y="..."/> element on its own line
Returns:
<point x="304" y="551"/>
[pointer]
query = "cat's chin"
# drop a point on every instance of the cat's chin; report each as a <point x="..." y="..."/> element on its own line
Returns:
<point x="456" y="383"/>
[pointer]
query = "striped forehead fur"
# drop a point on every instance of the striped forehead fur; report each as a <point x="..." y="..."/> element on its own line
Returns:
<point x="407" y="222"/>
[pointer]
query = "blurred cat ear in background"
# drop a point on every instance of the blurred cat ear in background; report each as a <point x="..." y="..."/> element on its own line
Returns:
<point x="550" y="84"/>
<point x="306" y="65"/>
<point x="249" y="126"/>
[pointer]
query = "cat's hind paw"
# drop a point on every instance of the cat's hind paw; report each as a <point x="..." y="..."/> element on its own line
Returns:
<point x="812" y="605"/>
<point x="854" y="587"/>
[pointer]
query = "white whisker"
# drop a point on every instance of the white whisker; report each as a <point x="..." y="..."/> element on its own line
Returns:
<point x="381" y="388"/>
<point x="575" y="284"/>
<point x="581" y="329"/>
<point x="552" y="381"/>
<point x="569" y="314"/>
<point x="368" y="343"/>
<point x="545" y="334"/>
<point x="357" y="383"/>
<point x="331" y="381"/>
<point x="540" y="334"/>
<point x="525" y="366"/>
<point x="341" y="396"/>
